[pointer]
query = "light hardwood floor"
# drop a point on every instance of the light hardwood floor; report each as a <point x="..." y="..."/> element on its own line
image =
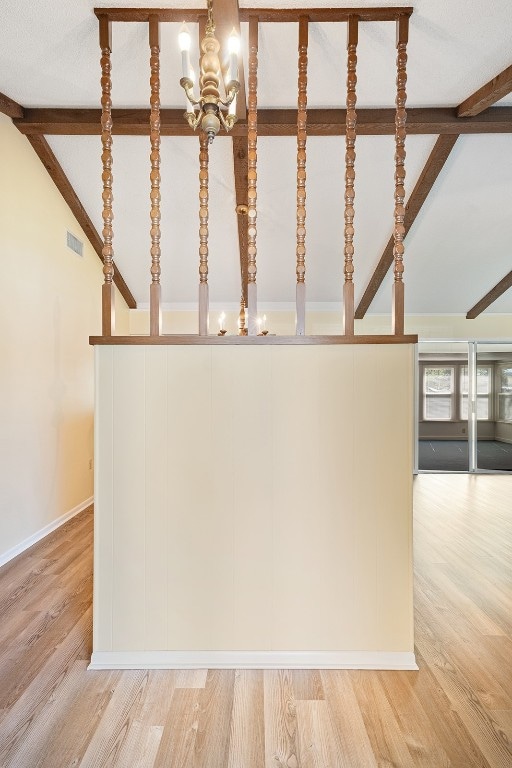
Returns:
<point x="456" y="711"/>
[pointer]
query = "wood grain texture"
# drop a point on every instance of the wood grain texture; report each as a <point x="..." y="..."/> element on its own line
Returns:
<point x="426" y="181"/>
<point x="302" y="116"/>
<point x="264" y="14"/>
<point x="258" y="340"/>
<point x="155" y="309"/>
<point x="402" y="30"/>
<point x="10" y="107"/>
<point x="241" y="170"/>
<point x="350" y="157"/>
<point x="487" y="95"/>
<point x="271" y="122"/>
<point x="490" y="297"/>
<point x="107" y="252"/>
<point x="203" y="233"/>
<point x="455" y="712"/>
<point x="61" y="181"/>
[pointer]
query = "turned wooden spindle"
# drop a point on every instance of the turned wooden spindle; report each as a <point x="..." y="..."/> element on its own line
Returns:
<point x="155" y="308"/>
<point x="302" y="103"/>
<point x="252" y="137"/>
<point x="107" y="294"/>
<point x="350" y="157"/>
<point x="402" y="29"/>
<point x="203" y="234"/>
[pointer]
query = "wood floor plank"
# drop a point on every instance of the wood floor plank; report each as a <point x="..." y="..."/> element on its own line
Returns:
<point x="215" y="708"/>
<point x="386" y="738"/>
<point x="108" y="738"/>
<point x="176" y="748"/>
<point x="422" y="743"/>
<point x="80" y="719"/>
<point x="247" y="728"/>
<point x="315" y="738"/>
<point x="307" y="684"/>
<point x="349" y="729"/>
<point x="281" y="749"/>
<point x="493" y="744"/>
<point x="149" y="718"/>
<point x="38" y="693"/>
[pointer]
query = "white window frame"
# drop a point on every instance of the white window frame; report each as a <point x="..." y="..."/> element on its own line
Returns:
<point x="456" y="394"/>
<point x="499" y="393"/>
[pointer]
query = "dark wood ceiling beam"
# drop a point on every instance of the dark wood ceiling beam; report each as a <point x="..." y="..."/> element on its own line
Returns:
<point x="62" y="183"/>
<point x="487" y="95"/>
<point x="267" y="15"/>
<point x="490" y="297"/>
<point x="271" y="122"/>
<point x="9" y="107"/>
<point x="429" y="174"/>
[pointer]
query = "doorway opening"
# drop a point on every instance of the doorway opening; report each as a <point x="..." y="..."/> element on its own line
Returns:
<point x="464" y="406"/>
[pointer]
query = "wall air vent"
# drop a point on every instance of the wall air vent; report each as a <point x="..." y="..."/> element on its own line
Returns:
<point x="75" y="244"/>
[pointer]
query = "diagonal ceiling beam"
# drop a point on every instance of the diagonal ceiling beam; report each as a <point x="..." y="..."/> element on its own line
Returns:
<point x="9" y="107"/>
<point x="62" y="183"/>
<point x="490" y="297"/>
<point x="487" y="95"/>
<point x="271" y="122"/>
<point x="429" y="174"/>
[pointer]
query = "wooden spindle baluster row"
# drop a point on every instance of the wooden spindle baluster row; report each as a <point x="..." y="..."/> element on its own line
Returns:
<point x="350" y="157"/>
<point x="300" y="325"/>
<point x="155" y="310"/>
<point x="402" y="28"/>
<point x="252" y="138"/>
<point x="252" y="120"/>
<point x="203" y="234"/>
<point x="107" y="304"/>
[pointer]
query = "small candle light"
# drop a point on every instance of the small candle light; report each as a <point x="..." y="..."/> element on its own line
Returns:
<point x="259" y="325"/>
<point x="222" y="317"/>
<point x="184" y="42"/>
<point x="264" y="323"/>
<point x="233" y="48"/>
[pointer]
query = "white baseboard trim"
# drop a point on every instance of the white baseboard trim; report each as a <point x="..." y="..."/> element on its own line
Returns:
<point x="503" y="440"/>
<point x="252" y="660"/>
<point x="22" y="546"/>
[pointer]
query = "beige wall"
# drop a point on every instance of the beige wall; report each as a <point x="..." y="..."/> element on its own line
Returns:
<point x="49" y="304"/>
<point x="486" y="326"/>
<point x="240" y="506"/>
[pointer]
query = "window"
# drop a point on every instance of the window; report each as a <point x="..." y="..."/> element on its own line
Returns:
<point x="438" y="391"/>
<point x="483" y="392"/>
<point x="505" y="392"/>
<point x="445" y="392"/>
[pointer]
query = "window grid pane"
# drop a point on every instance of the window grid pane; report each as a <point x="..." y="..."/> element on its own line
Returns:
<point x="438" y="408"/>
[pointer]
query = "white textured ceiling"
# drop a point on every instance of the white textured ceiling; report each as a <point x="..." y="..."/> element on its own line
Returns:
<point x="460" y="244"/>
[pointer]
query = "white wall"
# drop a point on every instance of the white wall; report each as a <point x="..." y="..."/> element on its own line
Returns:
<point x="241" y="507"/>
<point x="49" y="304"/>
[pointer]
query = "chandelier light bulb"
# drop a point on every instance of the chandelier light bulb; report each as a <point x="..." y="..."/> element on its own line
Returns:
<point x="184" y="38"/>
<point x="184" y="41"/>
<point x="234" y="49"/>
<point x="234" y="43"/>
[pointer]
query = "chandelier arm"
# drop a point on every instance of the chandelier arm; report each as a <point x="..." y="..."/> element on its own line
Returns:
<point x="188" y="86"/>
<point x="232" y="89"/>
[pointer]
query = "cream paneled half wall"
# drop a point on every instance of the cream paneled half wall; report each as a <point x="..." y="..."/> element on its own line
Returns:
<point x="253" y="506"/>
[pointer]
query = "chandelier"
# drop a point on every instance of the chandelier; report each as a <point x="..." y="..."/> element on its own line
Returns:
<point x="210" y="111"/>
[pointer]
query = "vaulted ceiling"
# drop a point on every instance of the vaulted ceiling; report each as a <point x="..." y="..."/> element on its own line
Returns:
<point x="460" y="243"/>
